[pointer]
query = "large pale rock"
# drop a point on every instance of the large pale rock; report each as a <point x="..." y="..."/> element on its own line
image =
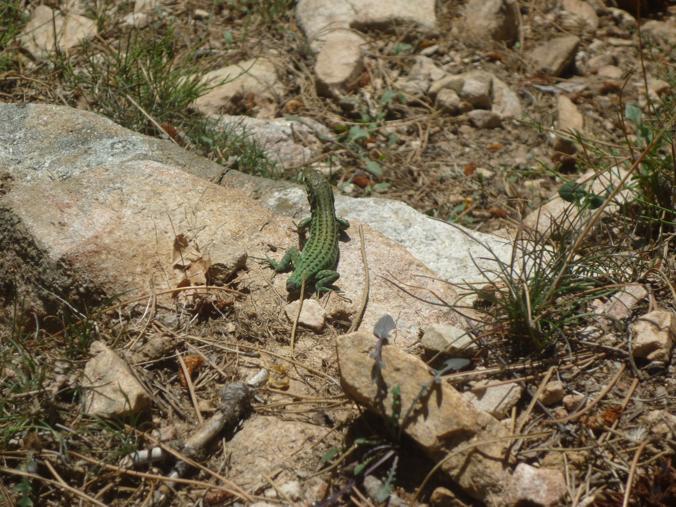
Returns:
<point x="340" y="61"/>
<point x="95" y="207"/>
<point x="48" y="29"/>
<point x="447" y="250"/>
<point x="110" y="387"/>
<point x="442" y="422"/>
<point x="653" y="335"/>
<point x="554" y="56"/>
<point x="491" y="20"/>
<point x="318" y="17"/>
<point x="661" y="31"/>
<point x="256" y="77"/>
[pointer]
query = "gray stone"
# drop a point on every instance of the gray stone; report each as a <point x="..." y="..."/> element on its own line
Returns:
<point x="340" y="60"/>
<point x="110" y="387"/>
<point x="482" y="119"/>
<point x="449" y="101"/>
<point x="491" y="20"/>
<point x="582" y="12"/>
<point x="478" y="92"/>
<point x="289" y="142"/>
<point x="93" y="180"/>
<point x="554" y="56"/>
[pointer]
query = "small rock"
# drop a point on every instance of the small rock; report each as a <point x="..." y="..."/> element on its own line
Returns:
<point x="340" y="60"/>
<point x="656" y="88"/>
<point x="48" y="29"/>
<point x="496" y="400"/>
<point x="256" y="77"/>
<point x="483" y="119"/>
<point x="491" y="20"/>
<point x="506" y="103"/>
<point x="583" y="12"/>
<point x="536" y="486"/>
<point x="291" y="490"/>
<point x="110" y="387"/>
<point x="552" y="393"/>
<point x="136" y="19"/>
<point x="653" y="335"/>
<point x="200" y="14"/>
<point x="661" y="422"/>
<point x="573" y="402"/>
<point x="595" y="63"/>
<point x="621" y="304"/>
<point x="449" y="101"/>
<point x="451" y="81"/>
<point x="554" y="56"/>
<point x="570" y="120"/>
<point x="448" y="339"/>
<point x="478" y="92"/>
<point x="312" y="315"/>
<point x="610" y="72"/>
<point x="625" y="21"/>
<point x="442" y="497"/>
<point x="146" y="5"/>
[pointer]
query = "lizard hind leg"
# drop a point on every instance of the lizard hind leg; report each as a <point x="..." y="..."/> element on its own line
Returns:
<point x="324" y="279"/>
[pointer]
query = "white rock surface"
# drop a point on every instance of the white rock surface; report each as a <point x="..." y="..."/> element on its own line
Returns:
<point x="570" y="121"/>
<point x="110" y="387"/>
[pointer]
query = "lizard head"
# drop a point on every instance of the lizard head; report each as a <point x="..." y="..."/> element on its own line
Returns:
<point x="316" y="186"/>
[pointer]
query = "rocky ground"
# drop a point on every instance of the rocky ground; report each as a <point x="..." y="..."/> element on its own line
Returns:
<point x="503" y="328"/>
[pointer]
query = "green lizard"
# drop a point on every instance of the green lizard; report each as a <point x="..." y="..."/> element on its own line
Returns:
<point x="319" y="258"/>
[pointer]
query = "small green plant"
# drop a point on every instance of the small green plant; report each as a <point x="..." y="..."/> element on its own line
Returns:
<point x="141" y="76"/>
<point x="371" y="117"/>
<point x="655" y="179"/>
<point x="544" y="287"/>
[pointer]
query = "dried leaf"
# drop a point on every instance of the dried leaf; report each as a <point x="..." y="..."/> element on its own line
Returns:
<point x="192" y="363"/>
<point x="469" y="169"/>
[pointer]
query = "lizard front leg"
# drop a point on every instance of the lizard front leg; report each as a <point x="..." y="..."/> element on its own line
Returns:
<point x="290" y="260"/>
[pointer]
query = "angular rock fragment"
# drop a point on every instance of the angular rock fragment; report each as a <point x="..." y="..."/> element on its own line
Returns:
<point x="440" y="420"/>
<point x="653" y="335"/>
<point x="110" y="387"/>
<point x="554" y="56"/>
